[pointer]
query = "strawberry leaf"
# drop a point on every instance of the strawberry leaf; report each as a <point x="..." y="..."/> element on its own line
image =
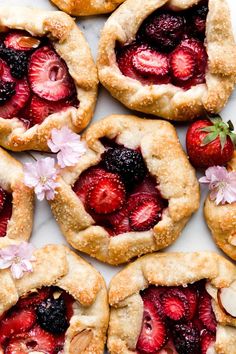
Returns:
<point x="209" y="138"/>
<point x="223" y="139"/>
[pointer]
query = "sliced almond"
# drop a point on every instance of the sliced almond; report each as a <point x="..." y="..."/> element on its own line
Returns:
<point x="81" y="341"/>
<point x="28" y="42"/>
<point x="227" y="299"/>
<point x="212" y="290"/>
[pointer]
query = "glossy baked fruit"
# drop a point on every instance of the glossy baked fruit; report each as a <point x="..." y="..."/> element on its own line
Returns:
<point x="177" y="320"/>
<point x="119" y="193"/>
<point x="34" y="80"/>
<point x="37" y="323"/>
<point x="5" y="211"/>
<point x="169" y="48"/>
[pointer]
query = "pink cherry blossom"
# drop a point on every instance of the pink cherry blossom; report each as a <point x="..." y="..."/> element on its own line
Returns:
<point x="18" y="258"/>
<point x="67" y="145"/>
<point x="222" y="184"/>
<point x="41" y="175"/>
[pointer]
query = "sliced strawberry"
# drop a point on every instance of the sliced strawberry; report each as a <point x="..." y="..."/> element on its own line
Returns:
<point x="34" y="298"/>
<point x="145" y="215"/>
<point x="148" y="185"/>
<point x="138" y="198"/>
<point x="151" y="62"/>
<point x="200" y="52"/>
<point x="153" y="335"/>
<point x="5" y="216"/>
<point x="183" y="64"/>
<point x="37" y="340"/>
<point x="175" y="304"/>
<point x="192" y="298"/>
<point x="59" y="343"/>
<point x="41" y="109"/>
<point x="87" y="180"/>
<point x="205" y="312"/>
<point x="207" y="340"/>
<point x="18" y="321"/>
<point x="120" y="221"/>
<point x="154" y="294"/>
<point x="3" y="197"/>
<point x="48" y="75"/>
<point x="20" y="40"/>
<point x="125" y="63"/>
<point x="106" y="196"/>
<point x="19" y="99"/>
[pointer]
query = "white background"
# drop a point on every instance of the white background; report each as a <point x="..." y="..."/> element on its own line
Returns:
<point x="196" y="236"/>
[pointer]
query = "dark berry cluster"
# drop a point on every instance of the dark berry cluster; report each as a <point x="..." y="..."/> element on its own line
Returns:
<point x="51" y="315"/>
<point x="7" y="90"/>
<point x="16" y="60"/>
<point x="186" y="339"/>
<point x="129" y="164"/>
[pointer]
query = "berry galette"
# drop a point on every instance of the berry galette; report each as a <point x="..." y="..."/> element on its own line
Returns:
<point x="47" y="77"/>
<point x="130" y="194"/>
<point x="60" y="307"/>
<point x="175" y="59"/>
<point x="221" y="217"/>
<point x="175" y="303"/>
<point x="87" y="7"/>
<point x="16" y="200"/>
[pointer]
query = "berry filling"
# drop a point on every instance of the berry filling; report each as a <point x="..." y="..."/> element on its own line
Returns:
<point x="177" y="320"/>
<point x="169" y="48"/>
<point x="5" y="211"/>
<point x="37" y="323"/>
<point x="34" y="80"/>
<point x="119" y="193"/>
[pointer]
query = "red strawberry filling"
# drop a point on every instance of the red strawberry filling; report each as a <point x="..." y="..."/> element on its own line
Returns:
<point x="5" y="211"/>
<point x="34" y="80"/>
<point x="169" y="48"/>
<point x="37" y="323"/>
<point x="119" y="193"/>
<point x="177" y="320"/>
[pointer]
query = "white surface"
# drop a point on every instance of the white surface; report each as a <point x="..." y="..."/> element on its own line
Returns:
<point x="195" y="236"/>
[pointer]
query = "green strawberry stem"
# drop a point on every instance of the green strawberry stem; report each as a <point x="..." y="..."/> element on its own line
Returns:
<point x="219" y="129"/>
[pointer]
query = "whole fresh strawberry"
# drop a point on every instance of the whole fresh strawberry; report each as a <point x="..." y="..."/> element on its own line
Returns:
<point x="210" y="142"/>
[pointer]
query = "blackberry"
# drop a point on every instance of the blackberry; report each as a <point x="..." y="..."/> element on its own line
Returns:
<point x="164" y="30"/>
<point x="186" y="339"/>
<point x="128" y="163"/>
<point x="16" y="60"/>
<point x="51" y="315"/>
<point x="7" y="90"/>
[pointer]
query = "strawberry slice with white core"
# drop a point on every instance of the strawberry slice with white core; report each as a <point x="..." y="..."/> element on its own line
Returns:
<point x="183" y="64"/>
<point x="153" y="334"/>
<point x="41" y="109"/>
<point x="48" y="75"/>
<point x="151" y="62"/>
<point x="35" y="341"/>
<point x="2" y="198"/>
<point x="21" y="41"/>
<point x="17" y="322"/>
<point x="17" y="101"/>
<point x="107" y="195"/>
<point x="145" y="215"/>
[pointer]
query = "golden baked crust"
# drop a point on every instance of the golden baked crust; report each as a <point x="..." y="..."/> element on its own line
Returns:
<point x="170" y="269"/>
<point x="221" y="220"/>
<point x="56" y="265"/>
<point x="165" y="160"/>
<point x="169" y="101"/>
<point x="11" y="180"/>
<point x="87" y="7"/>
<point x="68" y="41"/>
